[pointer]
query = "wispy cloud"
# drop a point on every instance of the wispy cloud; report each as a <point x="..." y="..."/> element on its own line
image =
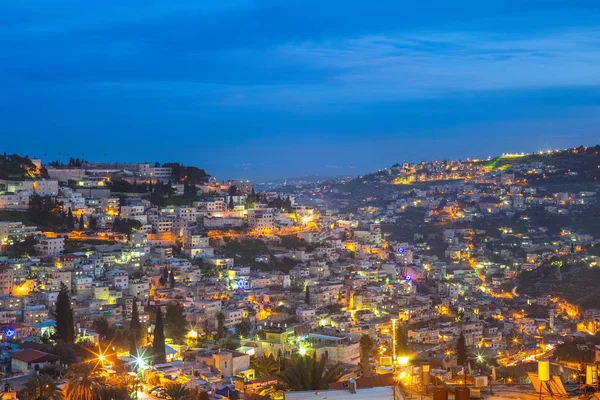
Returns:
<point x="409" y="66"/>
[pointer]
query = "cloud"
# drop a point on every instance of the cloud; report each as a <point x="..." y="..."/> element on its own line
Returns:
<point x="251" y="54"/>
<point x="408" y="66"/>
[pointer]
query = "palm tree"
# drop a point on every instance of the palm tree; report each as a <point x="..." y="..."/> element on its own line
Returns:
<point x="41" y="387"/>
<point x="265" y="365"/>
<point x="178" y="391"/>
<point x="308" y="373"/>
<point x="84" y="384"/>
<point x="366" y="349"/>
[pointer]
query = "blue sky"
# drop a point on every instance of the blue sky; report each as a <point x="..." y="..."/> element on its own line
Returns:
<point x="256" y="89"/>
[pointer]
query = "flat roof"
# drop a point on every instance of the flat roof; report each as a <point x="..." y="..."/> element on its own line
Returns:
<point x="376" y="393"/>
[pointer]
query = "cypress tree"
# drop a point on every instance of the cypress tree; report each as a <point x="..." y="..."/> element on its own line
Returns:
<point x="461" y="350"/>
<point x="93" y="223"/>
<point x="135" y="328"/>
<point x="81" y="222"/>
<point x="70" y="221"/>
<point x="171" y="279"/>
<point x="63" y="315"/>
<point x="135" y="324"/>
<point x="307" y="296"/>
<point x="158" y="345"/>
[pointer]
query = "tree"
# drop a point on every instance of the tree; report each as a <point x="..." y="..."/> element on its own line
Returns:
<point x="165" y="274"/>
<point x="84" y="385"/>
<point x="81" y="223"/>
<point x="171" y="279"/>
<point x="135" y="324"/>
<point x="124" y="225"/>
<point x="243" y="328"/>
<point x="44" y="173"/>
<point x="366" y="349"/>
<point x="231" y="202"/>
<point x="402" y="339"/>
<point x="158" y="345"/>
<point x="46" y="211"/>
<point x="178" y="391"/>
<point x="306" y="373"/>
<point x="175" y="322"/>
<point x="70" y="220"/>
<point x="93" y="225"/>
<point x="24" y="247"/>
<point x="307" y="296"/>
<point x="461" y="350"/>
<point x="265" y="366"/>
<point x="220" y="325"/>
<point x="41" y="387"/>
<point x="63" y="315"/>
<point x="103" y="328"/>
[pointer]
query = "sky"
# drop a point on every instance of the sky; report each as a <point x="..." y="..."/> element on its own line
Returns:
<point x="266" y="89"/>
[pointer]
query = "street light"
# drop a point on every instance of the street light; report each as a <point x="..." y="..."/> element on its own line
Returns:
<point x="140" y="363"/>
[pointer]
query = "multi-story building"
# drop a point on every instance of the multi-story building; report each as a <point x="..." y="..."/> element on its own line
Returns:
<point x="51" y="246"/>
<point x="46" y="187"/>
<point x="14" y="230"/>
<point x="7" y="278"/>
<point x="261" y="219"/>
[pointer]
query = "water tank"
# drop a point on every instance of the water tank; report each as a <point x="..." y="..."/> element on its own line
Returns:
<point x="591" y="374"/>
<point x="462" y="393"/>
<point x="544" y="370"/>
<point x="440" y="393"/>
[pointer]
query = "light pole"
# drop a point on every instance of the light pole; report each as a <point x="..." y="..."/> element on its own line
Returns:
<point x="394" y="345"/>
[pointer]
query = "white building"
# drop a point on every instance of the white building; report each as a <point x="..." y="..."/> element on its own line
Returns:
<point x="48" y="246"/>
<point x="260" y="219"/>
<point x="46" y="187"/>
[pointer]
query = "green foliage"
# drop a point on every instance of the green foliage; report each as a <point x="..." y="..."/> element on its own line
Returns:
<point x="461" y="350"/>
<point x="306" y="373"/>
<point x="41" y="387"/>
<point x="63" y="315"/>
<point x="103" y="328"/>
<point x="175" y="322"/>
<point x="367" y="345"/>
<point x="178" y="391"/>
<point x="282" y="204"/>
<point x="243" y="328"/>
<point x="24" y="247"/>
<point x="70" y="220"/>
<point x="158" y="345"/>
<point x="46" y="212"/>
<point x="122" y="186"/>
<point x="265" y="366"/>
<point x="220" y="325"/>
<point x="15" y="167"/>
<point x="124" y="225"/>
<point x="84" y="385"/>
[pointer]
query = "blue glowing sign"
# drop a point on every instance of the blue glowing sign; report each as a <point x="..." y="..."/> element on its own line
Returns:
<point x="407" y="278"/>
<point x="243" y="284"/>
<point x="9" y="332"/>
<point x="401" y="250"/>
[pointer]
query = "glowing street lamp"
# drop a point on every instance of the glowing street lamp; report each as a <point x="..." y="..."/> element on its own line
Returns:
<point x="192" y="334"/>
<point x="140" y="362"/>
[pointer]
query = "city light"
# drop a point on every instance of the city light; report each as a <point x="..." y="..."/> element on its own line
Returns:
<point x="192" y="334"/>
<point x="403" y="361"/>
